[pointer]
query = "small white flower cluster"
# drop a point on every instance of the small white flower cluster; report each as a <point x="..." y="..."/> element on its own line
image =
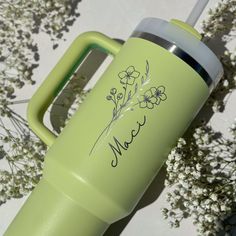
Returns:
<point x="24" y="155"/>
<point x="232" y="128"/>
<point x="221" y="24"/>
<point x="202" y="171"/>
<point x="218" y="21"/>
<point x="19" y="19"/>
<point x="24" y="152"/>
<point x="227" y="83"/>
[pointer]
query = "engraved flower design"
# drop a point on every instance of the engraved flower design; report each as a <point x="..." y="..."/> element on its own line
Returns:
<point x="159" y="93"/>
<point x="148" y="100"/>
<point x="127" y="97"/>
<point x="152" y="97"/>
<point x="128" y="76"/>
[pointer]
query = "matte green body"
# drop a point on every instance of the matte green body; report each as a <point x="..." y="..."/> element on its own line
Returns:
<point x="81" y="163"/>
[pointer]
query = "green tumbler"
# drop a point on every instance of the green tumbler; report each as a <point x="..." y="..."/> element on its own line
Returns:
<point x="100" y="165"/>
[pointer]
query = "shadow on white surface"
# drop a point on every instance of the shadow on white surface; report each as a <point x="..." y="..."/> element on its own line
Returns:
<point x="150" y="196"/>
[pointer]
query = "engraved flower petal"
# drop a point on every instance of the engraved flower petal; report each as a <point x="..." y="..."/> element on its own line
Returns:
<point x="130" y="70"/>
<point x="158" y="100"/>
<point x="148" y="93"/>
<point x="163" y="96"/>
<point x="124" y="80"/>
<point x="147" y="102"/>
<point x="135" y="74"/>
<point x="161" y="89"/>
<point x="150" y="105"/>
<point x="122" y="74"/>
<point x="153" y="100"/>
<point x="128" y="80"/>
<point x="129" y="75"/>
<point x="142" y="104"/>
<point x="153" y="90"/>
<point x="131" y="80"/>
<point x="159" y="92"/>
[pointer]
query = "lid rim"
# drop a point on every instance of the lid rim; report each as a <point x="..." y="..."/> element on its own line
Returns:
<point x="177" y="51"/>
<point x="195" y="48"/>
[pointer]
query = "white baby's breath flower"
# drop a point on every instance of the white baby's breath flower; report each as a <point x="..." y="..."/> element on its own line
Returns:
<point x="18" y="58"/>
<point x="181" y="176"/>
<point x="214" y="207"/>
<point x="187" y="170"/>
<point x="214" y="164"/>
<point x="214" y="197"/>
<point x="216" y="106"/>
<point x="208" y="218"/>
<point x="226" y="83"/>
<point x="198" y="167"/>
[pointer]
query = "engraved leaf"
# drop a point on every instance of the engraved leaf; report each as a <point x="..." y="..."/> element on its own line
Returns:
<point x="142" y="80"/>
<point x="136" y="88"/>
<point x="147" y="67"/>
<point x="114" y="112"/>
<point x="129" y="96"/>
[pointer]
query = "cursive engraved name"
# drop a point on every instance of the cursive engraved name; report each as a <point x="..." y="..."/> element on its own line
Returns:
<point x="118" y="146"/>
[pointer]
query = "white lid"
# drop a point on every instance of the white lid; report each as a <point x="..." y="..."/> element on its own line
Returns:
<point x="185" y="41"/>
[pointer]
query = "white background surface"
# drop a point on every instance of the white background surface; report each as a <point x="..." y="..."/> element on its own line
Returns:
<point x="117" y="19"/>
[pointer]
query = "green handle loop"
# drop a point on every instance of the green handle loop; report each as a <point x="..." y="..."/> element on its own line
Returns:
<point x="49" y="89"/>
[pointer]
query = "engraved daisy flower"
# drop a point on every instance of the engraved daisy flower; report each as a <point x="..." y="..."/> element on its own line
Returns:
<point x="152" y="97"/>
<point x="159" y="93"/>
<point x="148" y="100"/>
<point x="128" y="76"/>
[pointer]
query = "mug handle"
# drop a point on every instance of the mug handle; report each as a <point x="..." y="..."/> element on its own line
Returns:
<point x="60" y="74"/>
